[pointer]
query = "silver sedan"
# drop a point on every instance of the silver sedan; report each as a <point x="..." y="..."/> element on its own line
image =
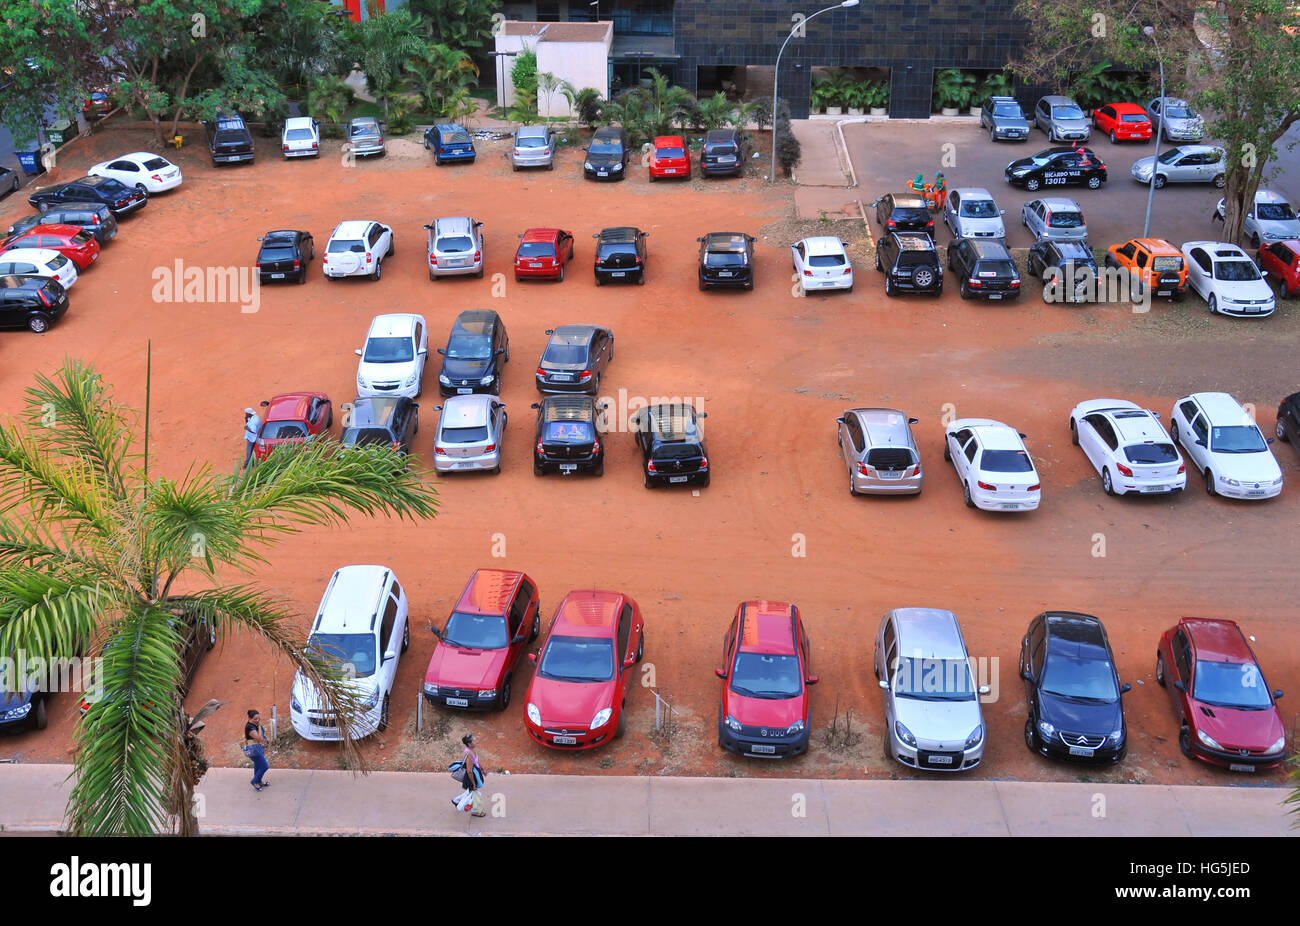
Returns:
<point x="470" y="431"/>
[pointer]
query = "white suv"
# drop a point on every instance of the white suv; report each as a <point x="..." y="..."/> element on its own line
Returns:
<point x="392" y="360"/>
<point x="1226" y="445"/>
<point x="362" y="624"/>
<point x="357" y="249"/>
<point x="301" y="137"/>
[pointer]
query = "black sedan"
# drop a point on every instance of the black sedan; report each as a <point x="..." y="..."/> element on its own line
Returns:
<point x="1072" y="690"/>
<point x="620" y="255"/>
<point x="566" y="439"/>
<point x="284" y="255"/>
<point x="726" y="259"/>
<point x="575" y="359"/>
<point x="1058" y="167"/>
<point x="385" y="420"/>
<point x="672" y="444"/>
<point x="117" y="196"/>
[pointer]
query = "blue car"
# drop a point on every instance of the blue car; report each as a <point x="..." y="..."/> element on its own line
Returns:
<point x="21" y="710"/>
<point x="449" y="141"/>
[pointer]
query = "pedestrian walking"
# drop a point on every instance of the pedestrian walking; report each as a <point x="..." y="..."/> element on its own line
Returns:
<point x="471" y="796"/>
<point x="252" y="424"/>
<point x="255" y="749"/>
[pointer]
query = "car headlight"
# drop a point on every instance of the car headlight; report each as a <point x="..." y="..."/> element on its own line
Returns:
<point x="1278" y="746"/>
<point x="588" y="165"/>
<point x="601" y="718"/>
<point x="18" y="712"/>
<point x="295" y="706"/>
<point x="1019" y="171"/>
<point x="732" y="723"/>
<point x="430" y="689"/>
<point x="1114" y="738"/>
<point x="1207" y="739"/>
<point x="410" y="380"/>
<point x="1277" y="481"/>
<point x="487" y="380"/>
<point x="796" y="727"/>
<point x="1046" y="729"/>
<point x="904" y="734"/>
<point x="446" y="381"/>
<point x="975" y="736"/>
<point x="618" y="166"/>
<point x="1230" y="482"/>
<point x="534" y="715"/>
<point x="371" y="699"/>
<point x="363" y="382"/>
<point x="487" y="692"/>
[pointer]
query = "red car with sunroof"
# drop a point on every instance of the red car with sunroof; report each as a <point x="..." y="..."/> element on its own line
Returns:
<point x="584" y="671"/>
<point x="292" y="418"/>
<point x="1227" y="714"/>
<point x="542" y="254"/>
<point x="478" y="650"/>
<point x="1122" y="122"/>
<point x="766" y="669"/>
<point x="72" y="241"/>
<point x="669" y="158"/>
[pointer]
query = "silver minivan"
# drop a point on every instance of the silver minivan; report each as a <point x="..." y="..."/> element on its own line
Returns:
<point x="534" y="147"/>
<point x="880" y="452"/>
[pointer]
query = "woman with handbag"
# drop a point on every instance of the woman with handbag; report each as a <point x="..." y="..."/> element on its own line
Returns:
<point x="255" y="749"/>
<point x="470" y="775"/>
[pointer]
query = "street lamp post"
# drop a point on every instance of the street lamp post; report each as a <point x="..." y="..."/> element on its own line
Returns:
<point x="1160" y="127"/>
<point x="776" y="74"/>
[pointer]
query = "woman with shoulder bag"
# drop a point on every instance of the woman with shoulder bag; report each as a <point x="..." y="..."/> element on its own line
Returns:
<point x="470" y="775"/>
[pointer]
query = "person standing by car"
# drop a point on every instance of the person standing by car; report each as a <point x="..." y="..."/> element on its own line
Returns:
<point x="252" y="424"/>
<point x="473" y="781"/>
<point x="255" y="749"/>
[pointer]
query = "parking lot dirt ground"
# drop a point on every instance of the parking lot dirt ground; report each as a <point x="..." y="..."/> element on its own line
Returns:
<point x="773" y="371"/>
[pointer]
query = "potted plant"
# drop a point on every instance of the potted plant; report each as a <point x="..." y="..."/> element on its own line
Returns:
<point x="820" y="95"/>
<point x="841" y="88"/>
<point x="877" y="98"/>
<point x="953" y="89"/>
<point x="856" y="97"/>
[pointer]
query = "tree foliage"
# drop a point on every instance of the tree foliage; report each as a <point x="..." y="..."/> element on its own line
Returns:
<point x="462" y="24"/>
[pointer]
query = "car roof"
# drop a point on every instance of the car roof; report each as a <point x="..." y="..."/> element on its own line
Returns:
<point x="376" y="411"/>
<point x="673" y="421"/>
<point x="913" y="241"/>
<point x="1157" y="246"/>
<point x="932" y="631"/>
<point x="449" y="127"/>
<point x="1199" y="149"/>
<point x="528" y="130"/>
<point x="489" y="591"/>
<point x="720" y="135"/>
<point x="352" y="228"/>
<point x="1218" y="249"/>
<point x="363" y="120"/>
<point x="726" y="241"/>
<point x="885" y="427"/>
<point x="1062" y="149"/>
<point x="619" y="233"/>
<point x="1004" y="99"/>
<point x="606" y="132"/>
<point x="466" y="411"/>
<point x="574" y="334"/>
<point x="229" y="121"/>
<point x="587" y="613"/>
<point x="351" y="599"/>
<point x="453" y="225"/>
<point x="393" y="326"/>
<point x="973" y="192"/>
<point x="54" y="228"/>
<point x="35" y="254"/>
<point x="823" y="244"/>
<point x="1056" y="99"/>
<point x="1136" y="425"/>
<point x="280" y="235"/>
<point x="1219" y="640"/>
<point x="989" y="249"/>
<point x="669" y="141"/>
<point x="1060" y="204"/>
<point x="1269" y="196"/>
<point x="909" y="200"/>
<point x="24" y="281"/>
<point x="1132" y="109"/>
<point x="1221" y="408"/>
<point x="568" y="408"/>
<point x="1073" y="634"/>
<point x="290" y="406"/>
<point x="477" y="321"/>
<point x="541" y="234"/>
<point x="767" y="627"/>
<point x="1071" y="248"/>
<point x="297" y="122"/>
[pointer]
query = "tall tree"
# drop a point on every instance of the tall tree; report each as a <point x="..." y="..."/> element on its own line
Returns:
<point x="384" y="44"/>
<point x="462" y="24"/>
<point x="47" y="53"/>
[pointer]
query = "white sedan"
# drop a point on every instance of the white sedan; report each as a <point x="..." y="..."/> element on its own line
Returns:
<point x="995" y="469"/>
<point x="1128" y="446"/>
<point x="822" y="263"/>
<point x="141" y="170"/>
<point x="1227" y="279"/>
<point x="38" y="262"/>
<point x="1226" y="445"/>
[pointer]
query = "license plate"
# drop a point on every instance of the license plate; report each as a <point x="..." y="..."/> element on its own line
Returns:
<point x="602" y="173"/>
<point x="568" y="467"/>
<point x="465" y="465"/>
<point x="565" y="740"/>
<point x="460" y="262"/>
<point x="724" y="273"/>
<point x="619" y="273"/>
<point x="94" y="257"/>
<point x="762" y="749"/>
<point x="678" y="478"/>
<point x="463" y="390"/>
<point x="1254" y="492"/>
<point x="670" y="170"/>
<point x="1082" y="751"/>
<point x="939" y="760"/>
<point x="535" y="265"/>
<point x="1162" y="292"/>
<point x="562" y="377"/>
<point x="458" y="702"/>
<point x="898" y="474"/>
<point x="995" y="295"/>
<point x="277" y="276"/>
<point x="1010" y="506"/>
<point x="1235" y="767"/>
<point x="727" y="159"/>
<point x="1155" y="488"/>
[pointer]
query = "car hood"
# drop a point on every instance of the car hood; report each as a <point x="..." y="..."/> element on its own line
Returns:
<point x="1279" y="228"/>
<point x="1070" y="125"/>
<point x="1080" y="716"/>
<point x="604" y="160"/>
<point x="465" y="369"/>
<point x="386" y="372"/>
<point x="9" y="700"/>
<point x="1021" y="164"/>
<point x="767" y="712"/>
<point x="1237" y="729"/>
<point x="971" y="225"/>
<point x="1248" y="467"/>
<point x="1179" y="124"/>
<point x="569" y="704"/>
<point x="457" y="667"/>
<point x="1243" y="289"/>
<point x="939" y="722"/>
<point x="1143" y="165"/>
<point x="309" y="697"/>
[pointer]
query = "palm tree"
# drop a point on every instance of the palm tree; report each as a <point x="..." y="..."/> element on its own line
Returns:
<point x="385" y="43"/>
<point x="548" y="85"/>
<point x="439" y="73"/>
<point x="668" y="103"/>
<point x="714" y="112"/>
<point x="329" y="97"/>
<point x="93" y="549"/>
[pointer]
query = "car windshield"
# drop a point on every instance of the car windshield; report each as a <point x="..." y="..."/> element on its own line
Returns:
<point x="979" y="209"/>
<point x="605" y="147"/>
<point x="929" y="679"/>
<point x="1002" y="269"/>
<point x="670" y="153"/>
<point x="568" y="431"/>
<point x="464" y="346"/>
<point x="283" y="430"/>
<point x="389" y="350"/>
<point x="1151" y="453"/>
<point x="1133" y="117"/>
<point x="1065" y="219"/>
<point x="229" y="137"/>
<point x="455" y="244"/>
<point x="826" y="260"/>
<point x="1044" y="158"/>
<point x="1067" y="111"/>
<point x="1235" y="271"/>
<point x="1230" y="684"/>
<point x="1240" y="438"/>
<point x="565" y="354"/>
<point x="760" y="675"/>
<point x="1079" y="679"/>
<point x="1275" y="212"/>
<point x="677" y="450"/>
<point x="360" y="437"/>
<point x="354" y="652"/>
<point x="536" y="249"/>
<point x="724" y="259"/>
<point x="476" y="631"/>
<point x="1006" y="461"/>
<point x="1179" y="111"/>
<point x="464" y="435"/>
<point x="530" y="141"/>
<point x="299" y="135"/>
<point x="577" y="659"/>
<point x="1170" y="156"/>
<point x="339" y="246"/>
<point x="1011" y="110"/>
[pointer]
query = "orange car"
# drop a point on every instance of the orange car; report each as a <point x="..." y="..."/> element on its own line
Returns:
<point x="1155" y="262"/>
<point x="669" y="158"/>
<point x="1123" y="122"/>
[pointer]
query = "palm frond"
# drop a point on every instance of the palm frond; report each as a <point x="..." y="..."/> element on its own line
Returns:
<point x="51" y="617"/>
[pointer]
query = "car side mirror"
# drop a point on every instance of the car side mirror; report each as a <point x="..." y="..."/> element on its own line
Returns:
<point x="629" y="662"/>
<point x="883" y="684"/>
<point x="423" y="350"/>
<point x="812" y="680"/>
<point x="535" y="405"/>
<point x="389" y="655"/>
<point x="1125" y="688"/>
<point x="702" y="415"/>
<point x="436" y="632"/>
<point x="1181" y="687"/>
<point x="1200" y="442"/>
<point x="357" y="352"/>
<point x="1027" y="676"/>
<point x="700" y="240"/>
<point x="1022" y="436"/>
<point x="518" y="638"/>
<point x="840" y="420"/>
<point x="720" y="673"/>
<point x="532" y="657"/>
<point x="428" y="228"/>
<point x="913" y="421"/>
<point x="1002" y="212"/>
<point x="595" y="236"/>
<point x="266" y="404"/>
<point x="442" y="351"/>
<point x="983" y="689"/>
<point x="550" y="331"/>
<point x="1277" y="694"/>
<point x="497" y="353"/>
<point x="1270" y="440"/>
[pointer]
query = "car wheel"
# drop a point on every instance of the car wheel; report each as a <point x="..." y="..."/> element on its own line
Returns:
<point x="992" y="137"/>
<point x="496" y="470"/>
<point x="1213" y="302"/>
<point x="622" y="721"/>
<point x="1209" y="482"/>
<point x="704" y="483"/>
<point x="38" y="323"/>
<point x="852" y="490"/>
<point x="599" y="469"/>
<point x="640" y="647"/>
<point x="302" y="277"/>
<point x="1029" y="736"/>
<point x="1185" y="742"/>
<point x="889" y="287"/>
<point x="383" y="715"/>
<point x="1112" y="136"/>
<point x="1074" y="432"/>
<point x="878" y="267"/>
<point x="537" y="623"/>
<point x="965" y="489"/>
<point x="749" y="284"/>
<point x="1283" y="290"/>
<point x="537" y="470"/>
<point x="503" y="699"/>
<point x="599" y="281"/>
<point x="379" y="269"/>
<point x="649" y="484"/>
<point x="1280" y="430"/>
<point x="1160" y="670"/>
<point x="640" y="278"/>
<point x="1160" y="181"/>
<point x="1109" y="261"/>
<point x="406" y="637"/>
<point x="1218" y="182"/>
<point x="947" y="454"/>
<point x="1107" y="485"/>
<point x="965" y="291"/>
<point x="561" y="279"/>
<point x="1094" y="183"/>
<point x="1254" y="240"/>
<point x="1032" y="184"/>
<point x="432" y="276"/>
<point x="703" y="287"/>
<point x="514" y="167"/>
<point x="392" y="246"/>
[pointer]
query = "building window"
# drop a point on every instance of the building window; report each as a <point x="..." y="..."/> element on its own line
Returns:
<point x="646" y="17"/>
<point x="548" y="11"/>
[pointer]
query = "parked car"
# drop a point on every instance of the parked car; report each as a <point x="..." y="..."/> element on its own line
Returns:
<point x="118" y="197"/>
<point x="300" y="137"/>
<point x="1122" y="122"/>
<point x="971" y="212"/>
<point x="1128" y="447"/>
<point x="95" y="218"/>
<point x="904" y="212"/>
<point x="880" y="452"/>
<point x="932" y="710"/>
<point x="575" y="359"/>
<point x="393" y="357"/>
<point x="565" y="438"/>
<point x="97" y="105"/>
<point x="1061" y="119"/>
<point x="1179" y="122"/>
<point x="72" y="241"/>
<point x="822" y="262"/>
<point x="766" y="710"/>
<point x="1271" y="219"/>
<point x="726" y="259"/>
<point x="1154" y="263"/>
<point x="576" y="699"/>
<point x="910" y="263"/>
<point x="229" y="141"/>
<point x="620" y="255"/>
<point x="455" y="247"/>
<point x="141" y="170"/>
<point x="671" y="440"/>
<point x="1227" y="279"/>
<point x="1057" y="167"/>
<point x="480" y="647"/>
<point x="1072" y="691"/>
<point x="449" y="141"/>
<point x="1281" y="261"/>
<point x="361" y="625"/>
<point x="542" y="254"/>
<point x="1054" y="218"/>
<point x="9" y="182"/>
<point x="724" y="153"/>
<point x="293" y="418"/>
<point x="476" y="354"/>
<point x="607" y="155"/>
<point x="1288" y="420"/>
<point x="1068" y="269"/>
<point x="285" y="255"/>
<point x="1226" y="446"/>
<point x="1004" y="118"/>
<point x="984" y="268"/>
<point x="23" y="706"/>
<point x="391" y="421"/>
<point x="1227" y="715"/>
<point x="365" y="136"/>
<point x="471" y="430"/>
<point x="31" y="302"/>
<point x="358" y="248"/>
<point x="1184" y="164"/>
<point x="995" y="469"/>
<point x="669" y="158"/>
<point x="534" y="147"/>
<point x="41" y="262"/>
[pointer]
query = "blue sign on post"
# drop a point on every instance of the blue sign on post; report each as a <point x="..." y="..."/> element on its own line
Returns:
<point x="27" y="160"/>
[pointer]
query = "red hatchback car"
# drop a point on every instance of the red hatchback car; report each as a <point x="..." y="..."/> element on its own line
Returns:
<point x="474" y="663"/>
<point x="669" y="158"/>
<point x="292" y="418"/>
<point x="72" y="241"/>
<point x="1226" y="711"/>
<point x="1280" y="261"/>
<point x="542" y="254"/>
<point x="765" y="703"/>
<point x="577" y="697"/>
<point x="1122" y="121"/>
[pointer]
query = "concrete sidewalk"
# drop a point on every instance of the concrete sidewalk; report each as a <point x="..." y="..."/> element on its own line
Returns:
<point x="32" y="799"/>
